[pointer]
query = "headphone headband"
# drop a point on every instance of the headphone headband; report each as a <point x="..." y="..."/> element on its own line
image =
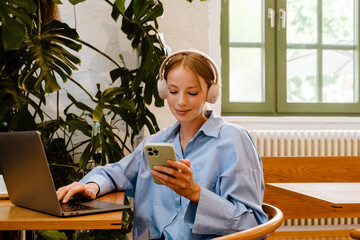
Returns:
<point x="214" y="88"/>
<point x="207" y="57"/>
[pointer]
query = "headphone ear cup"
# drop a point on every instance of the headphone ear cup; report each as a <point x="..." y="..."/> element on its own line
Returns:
<point x="213" y="93"/>
<point x="161" y="85"/>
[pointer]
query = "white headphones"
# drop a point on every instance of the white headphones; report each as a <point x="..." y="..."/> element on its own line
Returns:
<point x="214" y="88"/>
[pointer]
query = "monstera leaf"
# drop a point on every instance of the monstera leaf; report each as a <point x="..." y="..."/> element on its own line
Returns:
<point x="47" y="53"/>
<point x="14" y="16"/>
<point x="140" y="25"/>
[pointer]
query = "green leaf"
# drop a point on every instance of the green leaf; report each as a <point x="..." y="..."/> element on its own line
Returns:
<point x="74" y="2"/>
<point x="115" y="13"/>
<point x="20" y="14"/>
<point x="129" y="27"/>
<point x="52" y="234"/>
<point x="110" y="93"/>
<point x="5" y="107"/>
<point x="30" y="6"/>
<point x="12" y="34"/>
<point x="98" y="113"/>
<point x="153" y="13"/>
<point x="51" y="84"/>
<point x="149" y="126"/>
<point x="127" y="104"/>
<point x="36" y="108"/>
<point x="57" y="28"/>
<point x="77" y="123"/>
<point x="85" y="157"/>
<point x="129" y="118"/>
<point x="46" y="55"/>
<point x="136" y="40"/>
<point x="14" y="19"/>
<point x="79" y="105"/>
<point x="61" y="64"/>
<point x="23" y="121"/>
<point x="152" y="117"/>
<point x="140" y="8"/>
<point x="120" y="4"/>
<point x="117" y="73"/>
<point x="68" y="43"/>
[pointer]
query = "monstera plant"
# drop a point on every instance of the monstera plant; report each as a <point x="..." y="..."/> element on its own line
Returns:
<point x="40" y="53"/>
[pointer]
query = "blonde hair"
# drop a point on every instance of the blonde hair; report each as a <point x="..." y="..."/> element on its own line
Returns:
<point x="194" y="62"/>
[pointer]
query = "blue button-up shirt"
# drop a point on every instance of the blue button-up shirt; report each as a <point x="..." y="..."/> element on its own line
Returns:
<point x="226" y="165"/>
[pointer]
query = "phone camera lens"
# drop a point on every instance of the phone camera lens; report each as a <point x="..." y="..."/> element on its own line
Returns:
<point x="156" y="152"/>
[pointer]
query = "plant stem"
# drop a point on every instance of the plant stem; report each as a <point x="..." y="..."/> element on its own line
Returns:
<point x="69" y="141"/>
<point x="97" y="50"/>
<point x="75" y="17"/>
<point x="123" y="143"/>
<point x="40" y="21"/>
<point x="79" y="85"/>
<point x="109" y="2"/>
<point x="57" y="105"/>
<point x="79" y="145"/>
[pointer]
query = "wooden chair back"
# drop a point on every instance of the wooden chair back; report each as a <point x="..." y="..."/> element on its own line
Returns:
<point x="355" y="233"/>
<point x="276" y="218"/>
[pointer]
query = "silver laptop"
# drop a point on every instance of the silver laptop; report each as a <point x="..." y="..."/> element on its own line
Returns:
<point x="29" y="182"/>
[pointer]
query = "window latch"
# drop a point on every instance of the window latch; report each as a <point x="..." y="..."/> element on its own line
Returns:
<point x="271" y="16"/>
<point x="282" y="16"/>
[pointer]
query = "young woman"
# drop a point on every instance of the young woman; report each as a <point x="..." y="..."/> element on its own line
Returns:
<point x="219" y="186"/>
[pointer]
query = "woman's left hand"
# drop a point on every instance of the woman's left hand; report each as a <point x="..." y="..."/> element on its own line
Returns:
<point x="182" y="181"/>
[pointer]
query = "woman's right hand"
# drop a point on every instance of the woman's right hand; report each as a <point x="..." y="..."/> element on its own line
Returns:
<point x="88" y="190"/>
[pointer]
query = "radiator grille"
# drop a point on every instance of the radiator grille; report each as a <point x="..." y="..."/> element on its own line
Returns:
<point x="286" y="143"/>
<point x="307" y="142"/>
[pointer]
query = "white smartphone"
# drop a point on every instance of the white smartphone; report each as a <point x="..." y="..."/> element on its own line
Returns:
<point x="158" y="153"/>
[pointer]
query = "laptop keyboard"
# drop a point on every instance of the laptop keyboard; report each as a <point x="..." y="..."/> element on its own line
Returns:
<point x="71" y="207"/>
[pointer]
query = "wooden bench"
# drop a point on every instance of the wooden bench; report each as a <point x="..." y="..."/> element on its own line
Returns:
<point x="308" y="169"/>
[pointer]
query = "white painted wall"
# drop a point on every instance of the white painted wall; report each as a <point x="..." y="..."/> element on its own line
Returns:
<point x="185" y="25"/>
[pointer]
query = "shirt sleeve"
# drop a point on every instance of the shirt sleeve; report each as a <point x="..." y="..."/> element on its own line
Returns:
<point x="236" y="203"/>
<point x="119" y="176"/>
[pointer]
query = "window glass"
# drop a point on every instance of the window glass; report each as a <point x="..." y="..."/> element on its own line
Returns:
<point x="245" y="20"/>
<point x="301" y="21"/>
<point x="338" y="77"/>
<point x="301" y="75"/>
<point x="245" y="75"/>
<point x="338" y="22"/>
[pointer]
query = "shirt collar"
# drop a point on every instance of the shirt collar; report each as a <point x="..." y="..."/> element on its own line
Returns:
<point x="210" y="128"/>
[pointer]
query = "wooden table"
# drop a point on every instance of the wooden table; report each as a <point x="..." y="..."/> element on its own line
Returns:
<point x="18" y="218"/>
<point x="340" y="197"/>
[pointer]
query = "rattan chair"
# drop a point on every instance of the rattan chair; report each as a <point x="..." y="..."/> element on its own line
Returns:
<point x="276" y="218"/>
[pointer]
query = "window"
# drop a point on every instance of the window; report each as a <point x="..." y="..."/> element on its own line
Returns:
<point x="290" y="57"/>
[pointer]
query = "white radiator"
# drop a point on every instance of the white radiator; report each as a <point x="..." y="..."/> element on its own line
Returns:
<point x="309" y="143"/>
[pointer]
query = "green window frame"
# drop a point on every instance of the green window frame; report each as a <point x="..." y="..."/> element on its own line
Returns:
<point x="274" y="47"/>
